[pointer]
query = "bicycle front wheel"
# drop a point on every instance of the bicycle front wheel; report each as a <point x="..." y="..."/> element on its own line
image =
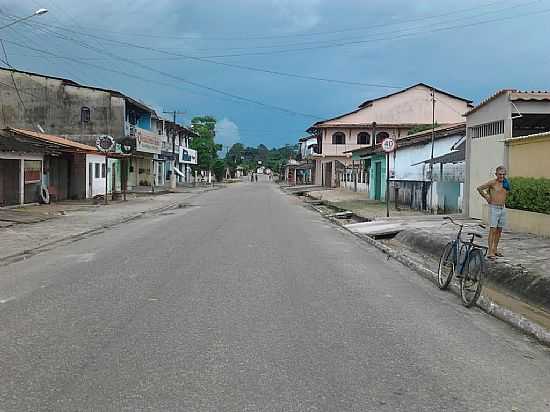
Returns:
<point x="446" y="268"/>
<point x="472" y="281"/>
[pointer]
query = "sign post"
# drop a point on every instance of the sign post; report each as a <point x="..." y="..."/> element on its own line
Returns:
<point x="105" y="144"/>
<point x="388" y="145"/>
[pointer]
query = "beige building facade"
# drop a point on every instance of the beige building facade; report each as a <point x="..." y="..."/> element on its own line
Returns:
<point x="393" y="115"/>
<point x="506" y="114"/>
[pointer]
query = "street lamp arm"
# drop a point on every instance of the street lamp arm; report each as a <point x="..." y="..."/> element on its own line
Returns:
<point x="38" y="12"/>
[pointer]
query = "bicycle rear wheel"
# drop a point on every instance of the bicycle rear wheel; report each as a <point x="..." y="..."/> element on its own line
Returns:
<point x="446" y="268"/>
<point x="472" y="281"/>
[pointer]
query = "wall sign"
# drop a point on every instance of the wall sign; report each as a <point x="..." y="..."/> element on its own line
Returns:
<point x="188" y="156"/>
<point x="105" y="143"/>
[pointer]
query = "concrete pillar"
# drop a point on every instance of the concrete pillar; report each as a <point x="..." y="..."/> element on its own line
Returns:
<point x="21" y="181"/>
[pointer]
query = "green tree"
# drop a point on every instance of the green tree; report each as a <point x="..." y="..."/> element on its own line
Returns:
<point x="234" y="157"/>
<point x="219" y="169"/>
<point x="205" y="144"/>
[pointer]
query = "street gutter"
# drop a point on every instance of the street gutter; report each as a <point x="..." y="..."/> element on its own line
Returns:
<point x="484" y="303"/>
<point x="17" y="257"/>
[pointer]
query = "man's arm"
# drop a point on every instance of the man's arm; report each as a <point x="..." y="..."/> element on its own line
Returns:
<point x="482" y="190"/>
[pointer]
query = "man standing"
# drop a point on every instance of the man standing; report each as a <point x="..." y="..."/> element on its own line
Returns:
<point x="495" y="192"/>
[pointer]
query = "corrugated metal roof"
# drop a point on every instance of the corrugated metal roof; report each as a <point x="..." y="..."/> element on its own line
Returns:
<point x="528" y="96"/>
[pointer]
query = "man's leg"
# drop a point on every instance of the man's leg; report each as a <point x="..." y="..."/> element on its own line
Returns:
<point x="496" y="238"/>
<point x="490" y="242"/>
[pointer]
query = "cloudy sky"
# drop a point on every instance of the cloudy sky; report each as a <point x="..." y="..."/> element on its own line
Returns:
<point x="267" y="69"/>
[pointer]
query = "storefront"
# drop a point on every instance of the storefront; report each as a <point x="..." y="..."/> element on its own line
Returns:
<point x="143" y="169"/>
<point x="36" y="166"/>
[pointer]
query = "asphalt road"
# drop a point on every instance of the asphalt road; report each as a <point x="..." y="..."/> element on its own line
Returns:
<point x="247" y="301"/>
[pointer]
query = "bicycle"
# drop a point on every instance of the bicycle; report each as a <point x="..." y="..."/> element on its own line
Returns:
<point x="466" y="260"/>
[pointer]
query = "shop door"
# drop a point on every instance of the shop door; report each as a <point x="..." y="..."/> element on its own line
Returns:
<point x="10" y="170"/>
<point x="377" y="180"/>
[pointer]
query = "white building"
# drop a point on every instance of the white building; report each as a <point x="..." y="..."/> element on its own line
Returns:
<point x="506" y="114"/>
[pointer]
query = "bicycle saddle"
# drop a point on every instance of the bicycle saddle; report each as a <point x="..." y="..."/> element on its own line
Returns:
<point x="475" y="234"/>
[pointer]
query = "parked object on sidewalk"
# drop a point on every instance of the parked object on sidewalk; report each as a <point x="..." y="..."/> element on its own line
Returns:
<point x="465" y="260"/>
<point x="44" y="195"/>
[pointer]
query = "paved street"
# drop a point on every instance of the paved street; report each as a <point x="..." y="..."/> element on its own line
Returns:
<point x="247" y="301"/>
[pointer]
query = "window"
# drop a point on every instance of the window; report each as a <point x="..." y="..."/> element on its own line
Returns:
<point x="132" y="118"/>
<point x="363" y="138"/>
<point x="487" y="129"/>
<point x="96" y="174"/>
<point x="84" y="114"/>
<point x="32" y="171"/>
<point x="103" y="170"/>
<point x="381" y="136"/>
<point x="338" y="138"/>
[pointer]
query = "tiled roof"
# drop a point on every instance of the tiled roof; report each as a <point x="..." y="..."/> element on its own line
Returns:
<point x="412" y="87"/>
<point x="368" y="102"/>
<point x="515" y="95"/>
<point x="52" y="139"/>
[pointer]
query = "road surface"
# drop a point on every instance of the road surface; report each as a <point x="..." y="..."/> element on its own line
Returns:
<point x="248" y="301"/>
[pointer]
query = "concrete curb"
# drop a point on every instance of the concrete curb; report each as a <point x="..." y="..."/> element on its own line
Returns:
<point x="27" y="253"/>
<point x="484" y="303"/>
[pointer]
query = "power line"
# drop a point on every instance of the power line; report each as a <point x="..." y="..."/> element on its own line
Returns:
<point x="359" y="42"/>
<point x="249" y="37"/>
<point x="178" y="78"/>
<point x="242" y="67"/>
<point x="7" y="63"/>
<point x="256" y="69"/>
<point x="369" y="29"/>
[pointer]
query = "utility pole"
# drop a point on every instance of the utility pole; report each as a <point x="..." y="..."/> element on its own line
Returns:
<point x="173" y="184"/>
<point x="432" y="156"/>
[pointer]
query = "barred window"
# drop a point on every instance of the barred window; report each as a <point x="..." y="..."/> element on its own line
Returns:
<point x="487" y="129"/>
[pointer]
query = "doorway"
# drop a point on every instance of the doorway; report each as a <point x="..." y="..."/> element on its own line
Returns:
<point x="377" y="181"/>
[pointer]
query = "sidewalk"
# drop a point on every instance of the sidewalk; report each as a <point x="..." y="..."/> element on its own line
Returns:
<point x="519" y="282"/>
<point x="359" y="203"/>
<point x="43" y="226"/>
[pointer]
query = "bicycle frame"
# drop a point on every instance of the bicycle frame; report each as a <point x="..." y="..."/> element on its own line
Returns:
<point x="457" y="243"/>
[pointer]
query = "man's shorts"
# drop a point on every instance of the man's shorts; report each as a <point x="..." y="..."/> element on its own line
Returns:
<point x="497" y="216"/>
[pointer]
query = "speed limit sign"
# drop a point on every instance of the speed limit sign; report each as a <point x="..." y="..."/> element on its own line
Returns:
<point x="389" y="145"/>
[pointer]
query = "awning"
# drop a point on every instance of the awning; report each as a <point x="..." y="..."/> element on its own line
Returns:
<point x="178" y="172"/>
<point x="456" y="156"/>
<point x="22" y="140"/>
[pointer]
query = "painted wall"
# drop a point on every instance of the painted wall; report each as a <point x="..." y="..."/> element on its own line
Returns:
<point x="413" y="106"/>
<point x="408" y="156"/>
<point x="485" y="154"/>
<point x="330" y="149"/>
<point x="56" y="107"/>
<point x="529" y="156"/>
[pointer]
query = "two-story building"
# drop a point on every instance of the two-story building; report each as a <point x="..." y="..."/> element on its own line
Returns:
<point x="393" y="115"/>
<point x="63" y="107"/>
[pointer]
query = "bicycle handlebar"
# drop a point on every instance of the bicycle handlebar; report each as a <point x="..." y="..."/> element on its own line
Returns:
<point x="452" y="221"/>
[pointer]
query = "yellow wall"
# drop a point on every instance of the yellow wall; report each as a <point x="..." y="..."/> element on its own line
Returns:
<point x="530" y="156"/>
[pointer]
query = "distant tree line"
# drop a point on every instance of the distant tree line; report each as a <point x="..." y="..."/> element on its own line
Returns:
<point x="248" y="157"/>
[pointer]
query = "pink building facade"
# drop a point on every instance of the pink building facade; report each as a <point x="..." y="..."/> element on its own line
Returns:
<point x="393" y="115"/>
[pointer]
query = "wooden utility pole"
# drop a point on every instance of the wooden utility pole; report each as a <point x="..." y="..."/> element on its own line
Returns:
<point x="432" y="156"/>
<point x="174" y="113"/>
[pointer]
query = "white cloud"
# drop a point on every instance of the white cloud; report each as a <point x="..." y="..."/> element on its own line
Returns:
<point x="299" y="15"/>
<point x="227" y="133"/>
